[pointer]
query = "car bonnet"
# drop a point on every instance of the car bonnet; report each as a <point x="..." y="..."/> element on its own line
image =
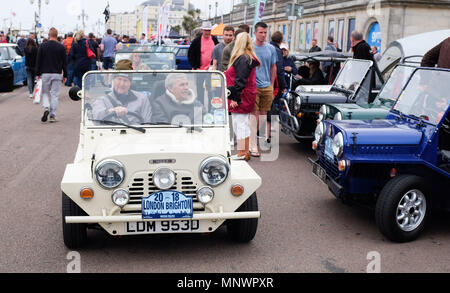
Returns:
<point x="379" y="132"/>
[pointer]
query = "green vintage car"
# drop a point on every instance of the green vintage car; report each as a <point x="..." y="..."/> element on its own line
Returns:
<point x="364" y="109"/>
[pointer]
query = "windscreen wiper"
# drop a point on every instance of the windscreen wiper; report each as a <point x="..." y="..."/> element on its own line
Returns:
<point x="179" y="125"/>
<point x="109" y="122"/>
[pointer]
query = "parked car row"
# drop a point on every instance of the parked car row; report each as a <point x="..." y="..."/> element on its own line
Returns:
<point x="132" y="176"/>
<point x="392" y="154"/>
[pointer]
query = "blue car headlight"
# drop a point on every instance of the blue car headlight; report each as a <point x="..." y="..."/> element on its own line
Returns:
<point x="318" y="134"/>
<point x="338" y="144"/>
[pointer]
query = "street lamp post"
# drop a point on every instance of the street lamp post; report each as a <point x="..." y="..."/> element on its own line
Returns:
<point x="217" y="4"/>
<point x="39" y="11"/>
<point x="82" y="17"/>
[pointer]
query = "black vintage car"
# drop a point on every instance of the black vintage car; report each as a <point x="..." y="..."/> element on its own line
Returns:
<point x="299" y="110"/>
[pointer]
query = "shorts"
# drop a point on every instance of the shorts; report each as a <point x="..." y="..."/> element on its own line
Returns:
<point x="241" y="126"/>
<point x="108" y="63"/>
<point x="264" y="99"/>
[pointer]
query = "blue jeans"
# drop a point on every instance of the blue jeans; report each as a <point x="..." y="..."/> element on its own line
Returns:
<point x="70" y="75"/>
<point x="31" y="76"/>
<point x="94" y="64"/>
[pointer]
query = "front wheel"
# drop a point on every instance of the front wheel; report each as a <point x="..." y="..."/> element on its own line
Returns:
<point x="403" y="208"/>
<point x="244" y="230"/>
<point x="75" y="235"/>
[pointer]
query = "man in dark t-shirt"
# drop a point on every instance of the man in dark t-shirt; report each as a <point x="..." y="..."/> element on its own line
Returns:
<point x="51" y="67"/>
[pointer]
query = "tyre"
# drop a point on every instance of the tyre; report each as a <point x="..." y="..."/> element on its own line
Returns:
<point x="402" y="208"/>
<point x="75" y="235"/>
<point x="244" y="230"/>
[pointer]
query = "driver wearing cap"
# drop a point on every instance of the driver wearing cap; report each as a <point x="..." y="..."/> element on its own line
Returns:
<point x="122" y="103"/>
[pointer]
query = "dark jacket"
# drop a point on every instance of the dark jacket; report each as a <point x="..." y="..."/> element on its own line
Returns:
<point x="288" y="61"/>
<point x="165" y="108"/>
<point x="30" y="58"/>
<point x="280" y="67"/>
<point x="316" y="79"/>
<point x="51" y="58"/>
<point x="78" y="56"/>
<point x="439" y="55"/>
<point x="241" y="81"/>
<point x="194" y="53"/>
<point x="362" y="51"/>
<point x="21" y="44"/>
<point x="315" y="49"/>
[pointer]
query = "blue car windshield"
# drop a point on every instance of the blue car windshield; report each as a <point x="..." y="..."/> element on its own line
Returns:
<point x="427" y="95"/>
<point x="394" y="85"/>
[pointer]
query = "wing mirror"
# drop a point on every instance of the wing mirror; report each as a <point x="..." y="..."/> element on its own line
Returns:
<point x="75" y="93"/>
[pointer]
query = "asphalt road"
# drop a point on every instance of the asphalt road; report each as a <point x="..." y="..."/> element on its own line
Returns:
<point x="303" y="228"/>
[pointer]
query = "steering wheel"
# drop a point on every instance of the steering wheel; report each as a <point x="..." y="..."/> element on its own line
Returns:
<point x="446" y="125"/>
<point x="124" y="117"/>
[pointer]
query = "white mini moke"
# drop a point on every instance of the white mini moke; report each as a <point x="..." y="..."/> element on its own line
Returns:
<point x="154" y="157"/>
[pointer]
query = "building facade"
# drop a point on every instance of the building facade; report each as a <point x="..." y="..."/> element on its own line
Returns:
<point x="380" y="21"/>
<point x="127" y="23"/>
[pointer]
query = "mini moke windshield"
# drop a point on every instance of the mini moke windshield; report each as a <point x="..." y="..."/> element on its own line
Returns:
<point x="426" y="96"/>
<point x="352" y="74"/>
<point x="154" y="99"/>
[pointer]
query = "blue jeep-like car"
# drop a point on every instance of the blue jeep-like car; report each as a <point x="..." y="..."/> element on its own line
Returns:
<point x="400" y="165"/>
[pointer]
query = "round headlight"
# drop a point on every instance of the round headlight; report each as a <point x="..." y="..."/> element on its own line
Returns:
<point x="205" y="195"/>
<point x="298" y="103"/>
<point x="318" y="134"/>
<point x="164" y="178"/>
<point x="110" y="173"/>
<point x="338" y="116"/>
<point x="288" y="96"/>
<point x="338" y="144"/>
<point x="120" y="197"/>
<point x="214" y="171"/>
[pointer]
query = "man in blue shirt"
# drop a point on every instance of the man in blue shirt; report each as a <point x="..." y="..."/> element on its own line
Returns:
<point x="265" y="79"/>
<point x="108" y="47"/>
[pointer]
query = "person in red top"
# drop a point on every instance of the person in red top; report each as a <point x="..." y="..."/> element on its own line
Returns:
<point x="241" y="81"/>
<point x="3" y="39"/>
<point x="68" y="45"/>
<point x="200" y="56"/>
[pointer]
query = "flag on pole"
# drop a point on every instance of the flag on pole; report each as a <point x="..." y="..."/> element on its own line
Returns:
<point x="106" y="13"/>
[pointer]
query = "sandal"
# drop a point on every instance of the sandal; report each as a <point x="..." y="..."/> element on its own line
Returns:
<point x="255" y="154"/>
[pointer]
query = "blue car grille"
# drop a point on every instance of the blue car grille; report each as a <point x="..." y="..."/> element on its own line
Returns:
<point x="330" y="167"/>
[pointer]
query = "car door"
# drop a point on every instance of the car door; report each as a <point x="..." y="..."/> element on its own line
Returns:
<point x="182" y="56"/>
<point x="18" y="65"/>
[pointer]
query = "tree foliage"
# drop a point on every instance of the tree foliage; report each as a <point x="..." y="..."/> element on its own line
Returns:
<point x="191" y="20"/>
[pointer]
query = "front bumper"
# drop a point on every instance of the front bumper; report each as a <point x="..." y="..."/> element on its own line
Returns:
<point x="320" y="173"/>
<point x="288" y="121"/>
<point x="138" y="218"/>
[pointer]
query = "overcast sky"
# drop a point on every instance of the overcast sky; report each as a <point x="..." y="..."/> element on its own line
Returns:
<point x="63" y="14"/>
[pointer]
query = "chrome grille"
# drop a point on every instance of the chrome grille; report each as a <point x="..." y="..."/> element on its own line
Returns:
<point x="142" y="186"/>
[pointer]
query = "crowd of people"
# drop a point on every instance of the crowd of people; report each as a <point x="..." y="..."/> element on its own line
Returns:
<point x="256" y="74"/>
<point x="255" y="70"/>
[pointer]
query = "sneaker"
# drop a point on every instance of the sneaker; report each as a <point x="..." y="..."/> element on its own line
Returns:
<point x="31" y="96"/>
<point x="241" y="158"/>
<point x="52" y="119"/>
<point x="45" y="116"/>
